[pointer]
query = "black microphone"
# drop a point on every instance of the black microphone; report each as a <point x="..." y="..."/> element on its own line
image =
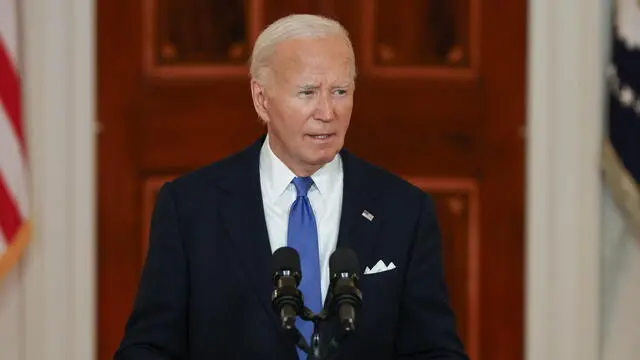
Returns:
<point x="346" y="297"/>
<point x="286" y="298"/>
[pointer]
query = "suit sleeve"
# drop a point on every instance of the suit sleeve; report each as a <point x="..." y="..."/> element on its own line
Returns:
<point x="427" y="323"/>
<point x="157" y="326"/>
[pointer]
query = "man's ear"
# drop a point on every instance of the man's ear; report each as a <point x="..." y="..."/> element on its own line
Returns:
<point x="258" y="93"/>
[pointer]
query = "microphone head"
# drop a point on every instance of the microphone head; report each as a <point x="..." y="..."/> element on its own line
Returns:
<point x="344" y="260"/>
<point x="345" y="297"/>
<point x="286" y="259"/>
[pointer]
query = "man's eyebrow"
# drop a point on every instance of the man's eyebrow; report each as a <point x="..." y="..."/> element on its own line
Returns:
<point x="314" y="86"/>
<point x="308" y="86"/>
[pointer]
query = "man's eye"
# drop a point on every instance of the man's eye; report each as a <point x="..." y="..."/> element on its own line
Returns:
<point x="306" y="92"/>
<point x="341" y="92"/>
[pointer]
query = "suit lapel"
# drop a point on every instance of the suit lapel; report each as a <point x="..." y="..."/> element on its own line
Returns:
<point x="356" y="232"/>
<point x="243" y="213"/>
<point x="359" y="225"/>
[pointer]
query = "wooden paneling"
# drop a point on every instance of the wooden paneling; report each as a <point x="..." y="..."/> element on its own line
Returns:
<point x="502" y="188"/>
<point x="445" y="113"/>
<point x="457" y="203"/>
<point x="425" y="34"/>
<point x="198" y="32"/>
<point x="199" y="38"/>
<point x="274" y="9"/>
<point x="425" y="39"/>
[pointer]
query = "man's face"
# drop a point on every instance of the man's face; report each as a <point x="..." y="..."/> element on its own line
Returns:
<point x="307" y="101"/>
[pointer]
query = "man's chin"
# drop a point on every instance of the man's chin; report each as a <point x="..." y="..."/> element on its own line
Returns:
<point x="323" y="157"/>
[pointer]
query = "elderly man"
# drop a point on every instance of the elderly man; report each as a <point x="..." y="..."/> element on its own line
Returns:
<point x="205" y="292"/>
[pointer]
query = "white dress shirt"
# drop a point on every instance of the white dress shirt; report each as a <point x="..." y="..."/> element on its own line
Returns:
<point x="325" y="196"/>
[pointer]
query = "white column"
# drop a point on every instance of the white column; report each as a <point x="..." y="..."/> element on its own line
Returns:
<point x="11" y="311"/>
<point x="568" y="43"/>
<point x="59" y="269"/>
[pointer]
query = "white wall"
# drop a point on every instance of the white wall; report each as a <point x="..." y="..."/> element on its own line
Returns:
<point x="48" y="310"/>
<point x="567" y="49"/>
<point x="11" y="312"/>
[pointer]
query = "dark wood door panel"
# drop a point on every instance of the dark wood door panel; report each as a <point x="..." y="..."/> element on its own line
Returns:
<point x="439" y="101"/>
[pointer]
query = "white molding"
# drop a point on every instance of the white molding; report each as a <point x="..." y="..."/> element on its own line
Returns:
<point x="567" y="48"/>
<point x="60" y="263"/>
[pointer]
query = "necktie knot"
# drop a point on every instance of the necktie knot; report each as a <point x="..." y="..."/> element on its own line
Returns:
<point x="302" y="185"/>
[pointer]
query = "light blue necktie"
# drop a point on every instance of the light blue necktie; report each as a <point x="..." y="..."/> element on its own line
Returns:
<point x="302" y="235"/>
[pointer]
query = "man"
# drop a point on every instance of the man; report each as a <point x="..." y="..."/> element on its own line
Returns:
<point x="206" y="287"/>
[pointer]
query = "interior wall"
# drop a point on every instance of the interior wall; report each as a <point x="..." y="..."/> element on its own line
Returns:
<point x="567" y="51"/>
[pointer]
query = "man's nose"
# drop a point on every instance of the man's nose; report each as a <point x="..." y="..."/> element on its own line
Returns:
<point x="324" y="110"/>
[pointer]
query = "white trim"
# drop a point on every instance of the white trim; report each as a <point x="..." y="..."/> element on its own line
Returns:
<point x="10" y="314"/>
<point x="8" y="29"/>
<point x="567" y="49"/>
<point x="60" y="263"/>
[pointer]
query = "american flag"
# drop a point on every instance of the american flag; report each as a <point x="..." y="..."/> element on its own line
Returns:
<point x="622" y="147"/>
<point x="14" y="177"/>
<point x="620" y="281"/>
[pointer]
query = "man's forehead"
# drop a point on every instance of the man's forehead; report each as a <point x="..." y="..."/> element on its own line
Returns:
<point x="325" y="61"/>
<point x="312" y="65"/>
<point x="305" y="77"/>
<point x="311" y="50"/>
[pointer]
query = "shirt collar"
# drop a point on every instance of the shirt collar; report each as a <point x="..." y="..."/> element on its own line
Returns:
<point x="278" y="176"/>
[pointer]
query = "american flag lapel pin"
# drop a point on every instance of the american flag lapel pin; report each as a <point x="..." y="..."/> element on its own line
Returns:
<point x="367" y="215"/>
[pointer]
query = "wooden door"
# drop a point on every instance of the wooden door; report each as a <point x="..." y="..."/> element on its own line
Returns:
<point x="439" y="101"/>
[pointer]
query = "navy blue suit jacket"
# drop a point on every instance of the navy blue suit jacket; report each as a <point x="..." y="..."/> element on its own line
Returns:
<point x="206" y="284"/>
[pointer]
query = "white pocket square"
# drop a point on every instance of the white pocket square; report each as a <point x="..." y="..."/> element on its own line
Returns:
<point x="379" y="267"/>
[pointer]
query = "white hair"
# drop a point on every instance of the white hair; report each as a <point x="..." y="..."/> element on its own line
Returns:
<point x="293" y="27"/>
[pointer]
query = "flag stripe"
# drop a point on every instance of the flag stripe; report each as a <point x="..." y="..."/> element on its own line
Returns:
<point x="10" y="94"/>
<point x="13" y="166"/>
<point x="14" y="172"/>
<point x="10" y="220"/>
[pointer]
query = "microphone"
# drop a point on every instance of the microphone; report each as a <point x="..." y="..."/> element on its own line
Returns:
<point x="286" y="298"/>
<point x="346" y="297"/>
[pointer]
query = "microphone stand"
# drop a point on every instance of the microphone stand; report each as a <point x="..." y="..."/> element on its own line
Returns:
<point x="315" y="351"/>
